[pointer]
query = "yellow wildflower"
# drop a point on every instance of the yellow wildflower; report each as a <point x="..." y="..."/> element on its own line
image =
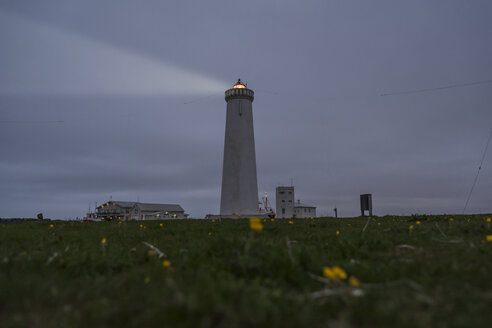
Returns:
<point x="210" y="234"/>
<point x="213" y="220"/>
<point x="141" y="226"/>
<point x="328" y="273"/>
<point x="489" y="238"/>
<point x="290" y="222"/>
<point x="489" y="220"/>
<point x="336" y="273"/>
<point x="337" y="233"/>
<point x="103" y="240"/>
<point x="411" y="227"/>
<point x="272" y="220"/>
<point x="152" y="252"/>
<point x="354" y="282"/>
<point x="418" y="222"/>
<point x="451" y="220"/>
<point x="119" y="222"/>
<point x="166" y="263"/>
<point x="255" y="224"/>
<point x="339" y="272"/>
<point x="52" y="226"/>
<point x="161" y="225"/>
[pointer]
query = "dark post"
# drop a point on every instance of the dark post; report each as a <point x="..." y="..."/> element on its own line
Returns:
<point x="369" y="203"/>
<point x="366" y="204"/>
<point x="40" y="216"/>
<point x="362" y="204"/>
<point x="336" y="212"/>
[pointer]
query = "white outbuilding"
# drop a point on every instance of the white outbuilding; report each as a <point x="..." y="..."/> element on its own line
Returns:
<point x="287" y="208"/>
<point x="302" y="210"/>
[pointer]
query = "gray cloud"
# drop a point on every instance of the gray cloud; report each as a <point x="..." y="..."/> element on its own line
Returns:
<point x="317" y="67"/>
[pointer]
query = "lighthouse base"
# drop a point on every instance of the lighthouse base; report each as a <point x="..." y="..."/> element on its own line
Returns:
<point x="261" y="215"/>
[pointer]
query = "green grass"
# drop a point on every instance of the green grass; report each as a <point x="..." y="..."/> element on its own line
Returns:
<point x="235" y="277"/>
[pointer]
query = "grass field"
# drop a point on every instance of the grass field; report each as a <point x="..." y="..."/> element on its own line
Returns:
<point x="425" y="271"/>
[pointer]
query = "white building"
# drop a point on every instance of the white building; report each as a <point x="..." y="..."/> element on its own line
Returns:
<point x="146" y="211"/>
<point x="304" y="211"/>
<point x="287" y="208"/>
<point x="284" y="200"/>
<point x="120" y="210"/>
<point x="114" y="210"/>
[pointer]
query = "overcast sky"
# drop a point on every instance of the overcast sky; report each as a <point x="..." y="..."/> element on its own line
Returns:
<point x="125" y="99"/>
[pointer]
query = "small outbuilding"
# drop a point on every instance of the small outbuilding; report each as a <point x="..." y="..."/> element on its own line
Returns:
<point x="287" y="208"/>
<point x="304" y="211"/>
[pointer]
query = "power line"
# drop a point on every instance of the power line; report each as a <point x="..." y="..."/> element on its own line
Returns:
<point x="435" y="89"/>
<point x="30" y="122"/>
<point x="478" y="172"/>
<point x="354" y="96"/>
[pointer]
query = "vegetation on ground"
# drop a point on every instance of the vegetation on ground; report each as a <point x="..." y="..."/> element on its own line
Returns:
<point x="418" y="271"/>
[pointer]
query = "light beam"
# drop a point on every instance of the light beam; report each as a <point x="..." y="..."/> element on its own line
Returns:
<point x="37" y="59"/>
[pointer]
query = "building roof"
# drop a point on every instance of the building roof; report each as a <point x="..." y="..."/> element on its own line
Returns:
<point x="159" y="207"/>
<point x="120" y="203"/>
<point x="303" y="205"/>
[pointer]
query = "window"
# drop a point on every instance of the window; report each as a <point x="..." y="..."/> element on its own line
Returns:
<point x="283" y="210"/>
<point x="281" y="192"/>
<point x="290" y="201"/>
<point x="290" y="192"/>
<point x="283" y="200"/>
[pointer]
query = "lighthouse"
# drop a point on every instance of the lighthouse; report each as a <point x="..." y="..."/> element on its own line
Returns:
<point x="239" y="195"/>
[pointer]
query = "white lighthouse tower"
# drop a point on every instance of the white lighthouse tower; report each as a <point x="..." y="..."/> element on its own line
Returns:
<point x="239" y="183"/>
